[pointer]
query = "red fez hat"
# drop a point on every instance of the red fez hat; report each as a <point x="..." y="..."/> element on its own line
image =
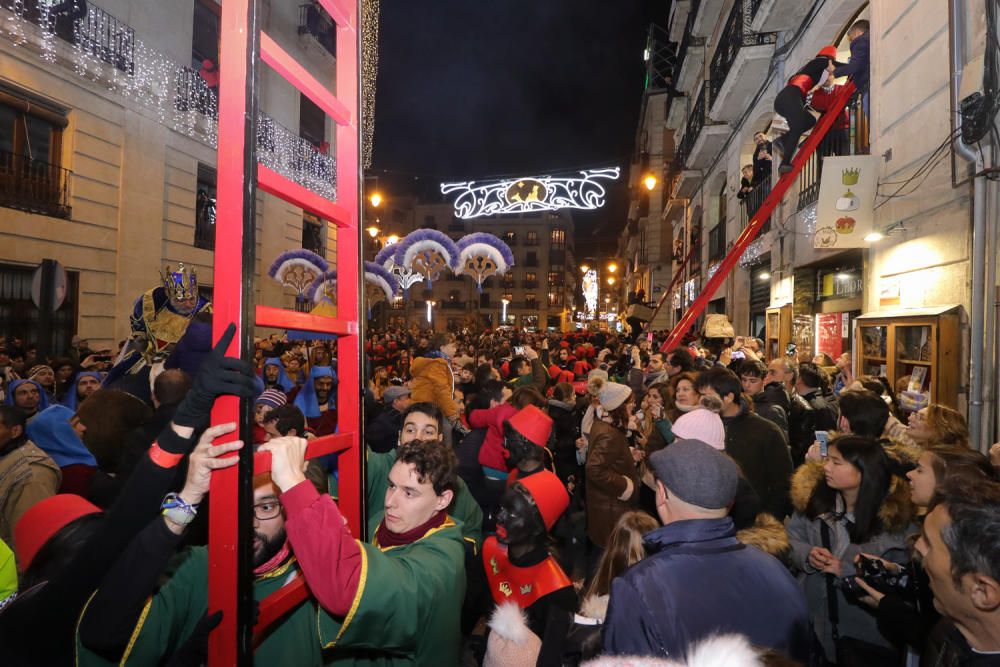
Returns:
<point x="549" y="494"/>
<point x="533" y="424"/>
<point x="43" y="520"/>
<point x="828" y="52"/>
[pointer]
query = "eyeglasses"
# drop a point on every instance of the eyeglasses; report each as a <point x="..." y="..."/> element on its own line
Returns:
<point x="267" y="510"/>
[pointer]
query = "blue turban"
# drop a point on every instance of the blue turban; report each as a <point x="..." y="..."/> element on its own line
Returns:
<point x="52" y="432"/>
<point x="306" y="398"/>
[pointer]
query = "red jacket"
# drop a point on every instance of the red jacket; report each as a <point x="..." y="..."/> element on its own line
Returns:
<point x="492" y="454"/>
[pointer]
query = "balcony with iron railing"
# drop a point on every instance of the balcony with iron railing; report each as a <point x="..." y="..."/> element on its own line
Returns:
<point x="690" y="54"/>
<point x="751" y="203"/>
<point x="314" y="21"/>
<point x="94" y="32"/>
<point x="777" y="15"/>
<point x="703" y="136"/>
<point x="740" y="63"/>
<point x="848" y="137"/>
<point x="34" y="186"/>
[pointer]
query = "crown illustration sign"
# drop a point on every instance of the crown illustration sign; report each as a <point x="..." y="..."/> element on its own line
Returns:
<point x="850" y="177"/>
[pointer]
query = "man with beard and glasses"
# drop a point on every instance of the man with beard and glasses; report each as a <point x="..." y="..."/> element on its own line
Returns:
<point x="123" y="624"/>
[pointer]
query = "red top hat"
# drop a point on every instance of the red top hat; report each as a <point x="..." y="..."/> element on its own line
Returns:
<point x="549" y="494"/>
<point x="533" y="424"/>
<point x="43" y="520"/>
<point x="828" y="52"/>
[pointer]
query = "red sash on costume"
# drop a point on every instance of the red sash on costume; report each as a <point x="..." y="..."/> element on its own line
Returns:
<point x="522" y="585"/>
<point x="803" y="82"/>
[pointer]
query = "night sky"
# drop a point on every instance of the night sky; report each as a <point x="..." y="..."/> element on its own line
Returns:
<point x="478" y="88"/>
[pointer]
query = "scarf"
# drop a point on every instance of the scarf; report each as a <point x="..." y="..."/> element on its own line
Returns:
<point x="385" y="538"/>
<point x="275" y="561"/>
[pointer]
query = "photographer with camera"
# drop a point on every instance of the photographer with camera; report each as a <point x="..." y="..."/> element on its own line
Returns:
<point x="854" y="501"/>
<point x="900" y="595"/>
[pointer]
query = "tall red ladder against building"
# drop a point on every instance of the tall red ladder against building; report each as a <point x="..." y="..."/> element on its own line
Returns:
<point x="243" y="49"/>
<point x="749" y="233"/>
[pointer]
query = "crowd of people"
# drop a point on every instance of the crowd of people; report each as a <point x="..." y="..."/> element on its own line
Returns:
<point x="533" y="498"/>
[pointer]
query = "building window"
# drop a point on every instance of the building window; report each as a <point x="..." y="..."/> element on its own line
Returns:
<point x="205" y="35"/>
<point x="508" y="280"/>
<point x="484" y="300"/>
<point x="313" y="236"/>
<point x="508" y="296"/>
<point x="314" y="20"/>
<point x="717" y="241"/>
<point x="19" y="316"/>
<point x="204" y="208"/>
<point x="531" y="259"/>
<point x="31" y="178"/>
<point x="530" y="279"/>
<point x="312" y="122"/>
<point x="530" y="302"/>
<point x="529" y="322"/>
<point x="557" y="276"/>
<point x="510" y="238"/>
<point x="557" y="239"/>
<point x="532" y="238"/>
<point x="555" y="299"/>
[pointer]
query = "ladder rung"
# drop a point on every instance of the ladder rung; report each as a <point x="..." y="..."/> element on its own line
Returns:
<point x="282" y="318"/>
<point x="328" y="444"/>
<point x="285" y="65"/>
<point x="279" y="603"/>
<point x="274" y="183"/>
<point x="339" y="12"/>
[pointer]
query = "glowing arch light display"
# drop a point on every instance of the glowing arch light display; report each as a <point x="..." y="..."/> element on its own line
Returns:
<point x="527" y="195"/>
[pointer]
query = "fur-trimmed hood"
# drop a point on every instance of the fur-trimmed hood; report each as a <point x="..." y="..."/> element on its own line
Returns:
<point x="767" y="534"/>
<point x="897" y="511"/>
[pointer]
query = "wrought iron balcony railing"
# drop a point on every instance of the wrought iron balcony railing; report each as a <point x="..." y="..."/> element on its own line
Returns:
<point x="34" y="186"/>
<point x="697" y="119"/>
<point x="752" y="202"/>
<point x="313" y="20"/>
<point x="754" y="7"/>
<point x="688" y="39"/>
<point x="736" y="35"/>
<point x="92" y="30"/>
<point x="850" y="138"/>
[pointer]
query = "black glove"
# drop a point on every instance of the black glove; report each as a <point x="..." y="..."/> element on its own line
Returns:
<point x="219" y="375"/>
<point x="194" y="652"/>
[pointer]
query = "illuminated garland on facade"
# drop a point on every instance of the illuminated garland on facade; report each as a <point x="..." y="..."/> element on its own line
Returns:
<point x="528" y="195"/>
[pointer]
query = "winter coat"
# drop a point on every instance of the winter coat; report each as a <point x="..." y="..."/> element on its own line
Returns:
<point x="859" y="65"/>
<point x="434" y="382"/>
<point x="492" y="454"/>
<point x="773" y="405"/>
<point x="761" y="449"/>
<point x="27" y="475"/>
<point x="801" y="428"/>
<point x="383" y="433"/>
<point x="895" y="514"/>
<point x="609" y="464"/>
<point x="565" y="426"/>
<point x="826" y="412"/>
<point x="698" y="581"/>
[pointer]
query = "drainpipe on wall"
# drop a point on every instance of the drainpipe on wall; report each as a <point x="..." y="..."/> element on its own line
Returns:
<point x="977" y="318"/>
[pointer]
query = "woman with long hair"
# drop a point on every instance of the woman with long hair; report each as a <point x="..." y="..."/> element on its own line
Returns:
<point x="937" y="424"/>
<point x="855" y="501"/>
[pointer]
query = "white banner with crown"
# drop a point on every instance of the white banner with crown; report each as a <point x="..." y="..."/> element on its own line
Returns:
<point x="844" y="215"/>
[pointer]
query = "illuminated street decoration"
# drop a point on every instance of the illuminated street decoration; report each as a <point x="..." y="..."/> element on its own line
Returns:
<point x="482" y="255"/>
<point x="406" y="277"/>
<point x="380" y="284"/>
<point x="298" y="269"/>
<point x="590" y="286"/>
<point x="427" y="252"/>
<point x="526" y="195"/>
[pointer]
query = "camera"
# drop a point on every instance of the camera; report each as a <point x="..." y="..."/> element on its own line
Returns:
<point x="875" y="574"/>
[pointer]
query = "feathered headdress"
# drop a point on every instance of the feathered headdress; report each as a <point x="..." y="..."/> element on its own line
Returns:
<point x="482" y="255"/>
<point x="323" y="288"/>
<point x="379" y="282"/>
<point x="427" y="252"/>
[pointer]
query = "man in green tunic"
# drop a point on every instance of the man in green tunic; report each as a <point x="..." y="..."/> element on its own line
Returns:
<point x="396" y="601"/>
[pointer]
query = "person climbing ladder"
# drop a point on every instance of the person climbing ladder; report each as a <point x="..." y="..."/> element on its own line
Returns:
<point x="791" y="103"/>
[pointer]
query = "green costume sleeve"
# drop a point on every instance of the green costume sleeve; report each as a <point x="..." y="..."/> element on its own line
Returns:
<point x="8" y="572"/>
<point x="408" y="603"/>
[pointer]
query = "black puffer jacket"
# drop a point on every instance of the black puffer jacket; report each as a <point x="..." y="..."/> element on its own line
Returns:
<point x="826" y="412"/>
<point x="801" y="428"/>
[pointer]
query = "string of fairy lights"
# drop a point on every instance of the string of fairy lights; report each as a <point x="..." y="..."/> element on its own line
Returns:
<point x="106" y="52"/>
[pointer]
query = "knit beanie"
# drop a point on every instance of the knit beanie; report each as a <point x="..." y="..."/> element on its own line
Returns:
<point x="612" y="395"/>
<point x="271" y="398"/>
<point x="703" y="423"/>
<point x="511" y="642"/>
<point x="697" y="473"/>
<point x="549" y="494"/>
<point x="43" y="520"/>
<point x="35" y="370"/>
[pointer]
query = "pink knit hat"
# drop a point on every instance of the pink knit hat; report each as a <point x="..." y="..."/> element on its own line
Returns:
<point x="701" y="424"/>
<point x="511" y="642"/>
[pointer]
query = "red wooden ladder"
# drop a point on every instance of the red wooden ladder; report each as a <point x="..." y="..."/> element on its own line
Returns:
<point x="244" y="46"/>
<point x="744" y="240"/>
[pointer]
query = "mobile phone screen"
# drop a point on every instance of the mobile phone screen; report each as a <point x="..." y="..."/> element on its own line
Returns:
<point x="824" y="442"/>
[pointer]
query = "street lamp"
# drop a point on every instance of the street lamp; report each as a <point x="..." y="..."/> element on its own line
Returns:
<point x="584" y="268"/>
<point x="503" y="312"/>
<point x="650" y="182"/>
<point x="392" y="239"/>
<point x="376" y="199"/>
<point x="612" y="267"/>
<point x="372" y="231"/>
<point x="430" y="306"/>
<point x="611" y="280"/>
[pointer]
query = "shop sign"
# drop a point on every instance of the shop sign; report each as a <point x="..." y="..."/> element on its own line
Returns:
<point x="843" y="284"/>
<point x="844" y="212"/>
